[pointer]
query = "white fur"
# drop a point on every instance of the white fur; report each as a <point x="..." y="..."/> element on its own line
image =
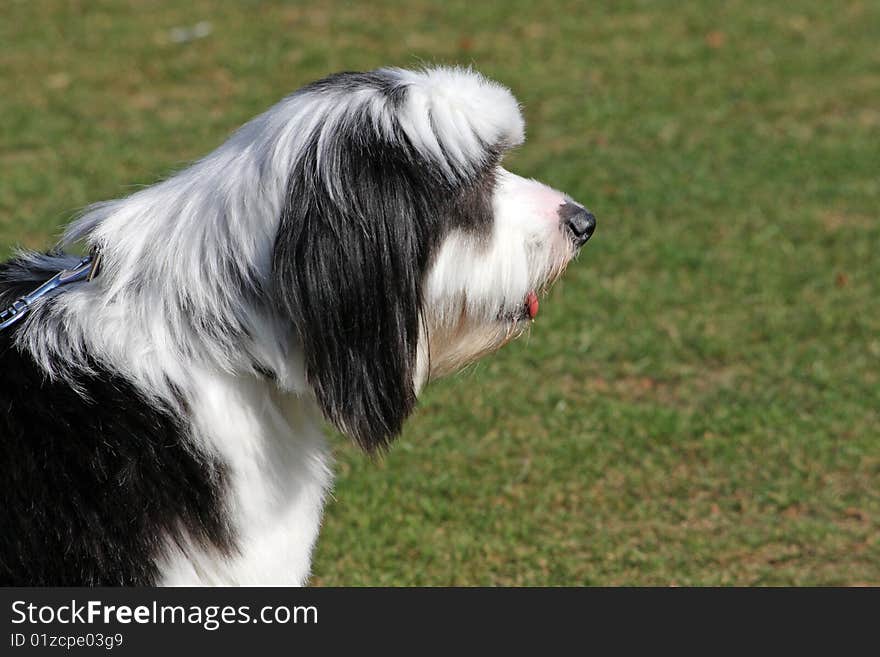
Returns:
<point x="458" y="112"/>
<point x="280" y="466"/>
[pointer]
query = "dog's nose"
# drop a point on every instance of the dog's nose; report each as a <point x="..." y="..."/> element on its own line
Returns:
<point x="578" y="221"/>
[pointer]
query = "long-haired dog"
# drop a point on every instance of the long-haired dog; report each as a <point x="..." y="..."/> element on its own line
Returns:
<point x="163" y="399"/>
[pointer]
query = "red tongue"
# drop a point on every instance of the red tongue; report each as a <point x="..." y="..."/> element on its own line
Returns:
<point x="532" y="304"/>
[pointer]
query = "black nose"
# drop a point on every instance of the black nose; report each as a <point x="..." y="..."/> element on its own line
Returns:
<point x="578" y="221"/>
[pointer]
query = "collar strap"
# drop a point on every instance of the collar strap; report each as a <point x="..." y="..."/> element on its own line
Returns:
<point x="85" y="270"/>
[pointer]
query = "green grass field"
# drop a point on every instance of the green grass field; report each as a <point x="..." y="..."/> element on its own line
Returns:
<point x="699" y="400"/>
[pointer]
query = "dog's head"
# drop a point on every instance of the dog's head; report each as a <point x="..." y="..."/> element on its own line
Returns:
<point x="404" y="250"/>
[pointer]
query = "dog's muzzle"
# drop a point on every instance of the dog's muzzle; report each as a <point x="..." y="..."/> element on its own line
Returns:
<point x="577" y="221"/>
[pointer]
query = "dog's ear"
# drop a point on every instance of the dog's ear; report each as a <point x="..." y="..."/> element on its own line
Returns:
<point x="348" y="273"/>
<point x="381" y="163"/>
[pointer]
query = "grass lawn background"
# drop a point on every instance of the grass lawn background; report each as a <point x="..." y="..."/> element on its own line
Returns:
<point x="699" y="399"/>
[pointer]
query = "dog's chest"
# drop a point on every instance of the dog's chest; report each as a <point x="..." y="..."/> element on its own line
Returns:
<point x="278" y="473"/>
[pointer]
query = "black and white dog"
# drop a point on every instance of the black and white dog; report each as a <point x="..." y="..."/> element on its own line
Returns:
<point x="163" y="400"/>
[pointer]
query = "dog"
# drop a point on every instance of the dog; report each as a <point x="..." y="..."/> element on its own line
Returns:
<point x="163" y="397"/>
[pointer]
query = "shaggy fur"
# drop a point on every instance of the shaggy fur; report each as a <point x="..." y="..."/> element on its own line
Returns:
<point x="163" y="420"/>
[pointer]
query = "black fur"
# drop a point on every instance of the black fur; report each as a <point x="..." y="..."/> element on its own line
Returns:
<point x="93" y="487"/>
<point x="349" y="272"/>
<point x="352" y="81"/>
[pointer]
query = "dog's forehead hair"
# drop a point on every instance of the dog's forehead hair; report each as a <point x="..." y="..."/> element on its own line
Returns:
<point x="354" y="81"/>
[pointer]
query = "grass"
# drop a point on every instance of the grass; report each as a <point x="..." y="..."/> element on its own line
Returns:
<point x="699" y="401"/>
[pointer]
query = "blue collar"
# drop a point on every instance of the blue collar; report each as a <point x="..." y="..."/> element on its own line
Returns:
<point x="85" y="270"/>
